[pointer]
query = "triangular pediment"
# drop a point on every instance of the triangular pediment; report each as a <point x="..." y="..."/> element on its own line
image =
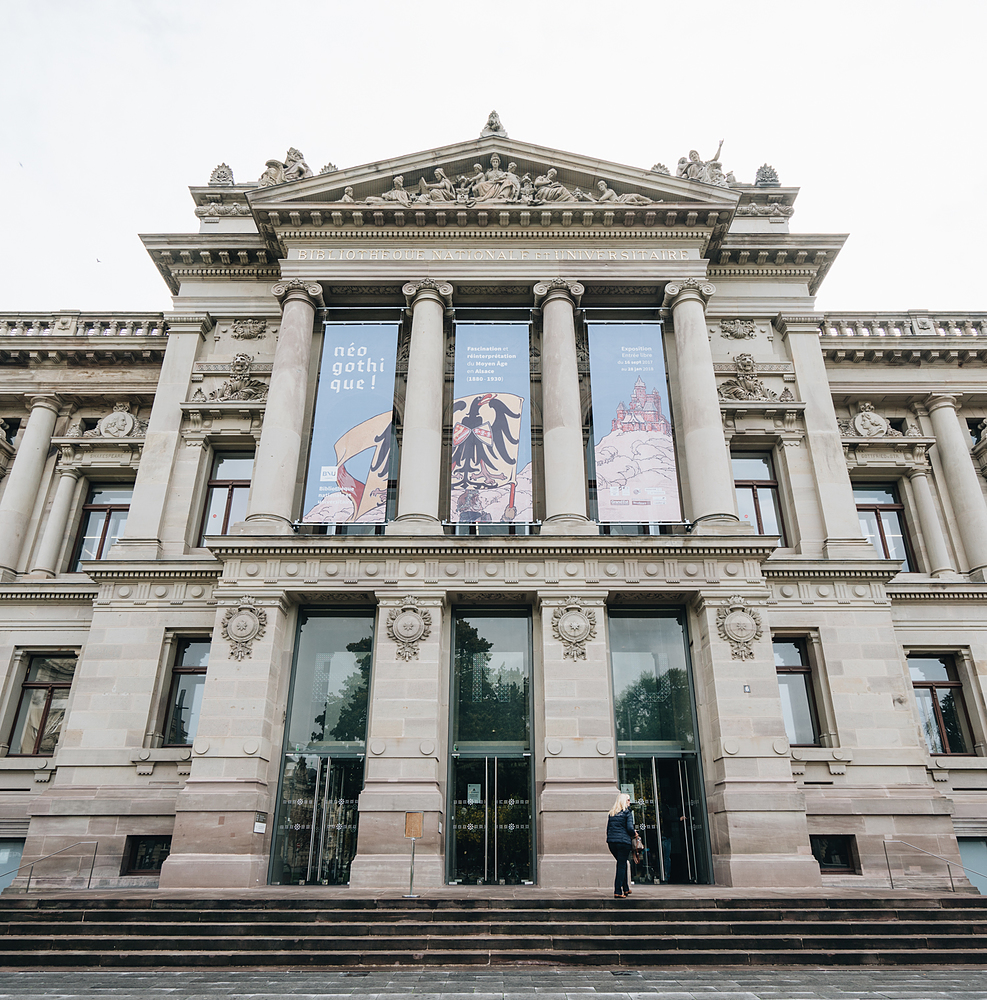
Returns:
<point x="469" y="174"/>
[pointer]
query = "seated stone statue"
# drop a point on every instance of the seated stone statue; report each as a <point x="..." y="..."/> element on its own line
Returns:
<point x="549" y="188"/>
<point x="396" y="194"/>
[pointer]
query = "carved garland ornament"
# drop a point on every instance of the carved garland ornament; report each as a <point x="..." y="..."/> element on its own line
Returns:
<point x="243" y="624"/>
<point x="740" y="626"/>
<point x="574" y="626"/>
<point x="407" y="625"/>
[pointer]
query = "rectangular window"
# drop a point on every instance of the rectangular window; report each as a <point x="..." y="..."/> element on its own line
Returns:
<point x="228" y="486"/>
<point x="104" y="516"/>
<point x="798" y="706"/>
<point x="44" y="696"/>
<point x="757" y="492"/>
<point x="882" y="521"/>
<point x="939" y="694"/>
<point x="145" y="855"/>
<point x="185" y="700"/>
<point x="836" y="854"/>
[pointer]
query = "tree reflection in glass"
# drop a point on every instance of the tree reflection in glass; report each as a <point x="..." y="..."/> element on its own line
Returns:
<point x="652" y="699"/>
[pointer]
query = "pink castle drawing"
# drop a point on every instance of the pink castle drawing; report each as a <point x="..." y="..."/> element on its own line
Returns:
<point x="644" y="412"/>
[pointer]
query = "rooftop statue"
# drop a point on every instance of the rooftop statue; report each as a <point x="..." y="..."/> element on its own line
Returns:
<point x="294" y="168"/>
<point x="222" y="176"/>
<point x="766" y="176"/>
<point x="693" y="168"/>
<point x="493" y="127"/>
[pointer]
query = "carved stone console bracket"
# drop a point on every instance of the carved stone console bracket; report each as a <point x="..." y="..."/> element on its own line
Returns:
<point x="242" y="625"/>
<point x="407" y="625"/>
<point x="740" y="626"/>
<point x="574" y="626"/>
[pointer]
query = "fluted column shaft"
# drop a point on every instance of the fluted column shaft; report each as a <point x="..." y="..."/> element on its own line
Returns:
<point x="46" y="560"/>
<point x="962" y="481"/>
<point x="562" y="415"/>
<point x="935" y="541"/>
<point x="699" y="426"/>
<point x="270" y="505"/>
<point x="24" y="481"/>
<point x="420" y="470"/>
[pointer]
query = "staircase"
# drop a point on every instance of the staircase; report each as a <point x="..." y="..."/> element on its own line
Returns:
<point x="132" y="933"/>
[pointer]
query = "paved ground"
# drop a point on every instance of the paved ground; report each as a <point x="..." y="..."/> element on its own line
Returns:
<point x="513" y="984"/>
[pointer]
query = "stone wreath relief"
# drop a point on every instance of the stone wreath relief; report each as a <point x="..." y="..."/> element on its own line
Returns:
<point x="242" y="625"/>
<point x="740" y="626"/>
<point x="407" y="625"/>
<point x="574" y="626"/>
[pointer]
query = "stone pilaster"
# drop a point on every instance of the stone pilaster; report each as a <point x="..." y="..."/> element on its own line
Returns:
<point x="141" y="537"/>
<point x="940" y="563"/>
<point x="757" y="814"/>
<point x="842" y="538"/>
<point x="270" y="506"/>
<point x="962" y="481"/>
<point x="577" y="749"/>
<point x="699" y="428"/>
<point x="46" y="561"/>
<point x="232" y="778"/>
<point x="24" y="481"/>
<point x="407" y="744"/>
<point x="562" y="418"/>
<point x="421" y="443"/>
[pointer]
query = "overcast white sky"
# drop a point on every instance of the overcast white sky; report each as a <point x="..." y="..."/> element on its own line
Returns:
<point x="109" y="109"/>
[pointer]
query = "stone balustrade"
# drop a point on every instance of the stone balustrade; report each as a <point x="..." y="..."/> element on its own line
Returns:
<point x="915" y="324"/>
<point x="77" y="324"/>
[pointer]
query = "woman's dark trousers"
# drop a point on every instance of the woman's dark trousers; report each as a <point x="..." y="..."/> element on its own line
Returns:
<point x="621" y="852"/>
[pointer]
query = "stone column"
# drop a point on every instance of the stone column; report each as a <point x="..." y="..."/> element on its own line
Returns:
<point x="24" y="481"/>
<point x="962" y="481"/>
<point x="562" y="415"/>
<point x="713" y="501"/>
<point x="578" y="749"/>
<point x="141" y="537"/>
<point x="842" y="538"/>
<point x="421" y="441"/>
<point x="407" y="744"/>
<point x="270" y="506"/>
<point x="935" y="542"/>
<point x="46" y="561"/>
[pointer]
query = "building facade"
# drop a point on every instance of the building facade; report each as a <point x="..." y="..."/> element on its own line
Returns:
<point x="479" y="484"/>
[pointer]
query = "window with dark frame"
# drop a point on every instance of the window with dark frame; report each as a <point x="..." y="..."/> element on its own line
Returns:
<point x="188" y="678"/>
<point x="227" y="489"/>
<point x="882" y="521"/>
<point x="757" y="492"/>
<point x="836" y="853"/>
<point x="145" y="855"/>
<point x="104" y="516"/>
<point x="798" y="703"/>
<point x="939" y="693"/>
<point x="41" y="709"/>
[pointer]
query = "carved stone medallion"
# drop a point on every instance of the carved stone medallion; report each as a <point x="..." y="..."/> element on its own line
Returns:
<point x="407" y="625"/>
<point x="574" y="626"/>
<point x="242" y="625"/>
<point x="740" y="626"/>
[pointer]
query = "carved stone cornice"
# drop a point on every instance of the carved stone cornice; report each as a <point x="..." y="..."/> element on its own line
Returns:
<point x="688" y="288"/>
<point x="295" y="287"/>
<point x="441" y="289"/>
<point x="573" y="289"/>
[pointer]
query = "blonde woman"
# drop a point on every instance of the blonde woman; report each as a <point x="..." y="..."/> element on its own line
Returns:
<point x="620" y="837"/>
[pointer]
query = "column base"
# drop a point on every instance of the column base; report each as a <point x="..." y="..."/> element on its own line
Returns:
<point x="214" y="871"/>
<point x="767" y="871"/>
<point x="849" y="548"/>
<point x="414" y="524"/>
<point x="136" y="548"/>
<point x="721" y="524"/>
<point x="569" y="524"/>
<point x="263" y="524"/>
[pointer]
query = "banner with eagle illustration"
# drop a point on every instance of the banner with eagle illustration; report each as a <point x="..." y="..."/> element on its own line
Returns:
<point x="350" y="458"/>
<point x="491" y="425"/>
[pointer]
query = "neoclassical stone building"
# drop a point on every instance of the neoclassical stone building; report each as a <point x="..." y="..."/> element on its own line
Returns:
<point x="481" y="483"/>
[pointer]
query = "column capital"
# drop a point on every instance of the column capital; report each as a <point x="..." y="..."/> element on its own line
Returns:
<point x="441" y="290"/>
<point x="695" y="288"/>
<point x="68" y="471"/>
<point x="921" y="471"/>
<point x="939" y="400"/>
<point x="48" y="401"/>
<point x="284" y="291"/>
<point x="570" y="289"/>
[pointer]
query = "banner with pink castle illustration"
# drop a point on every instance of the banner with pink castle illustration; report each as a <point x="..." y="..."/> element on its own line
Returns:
<point x="350" y="457"/>
<point x="491" y="425"/>
<point x="636" y="478"/>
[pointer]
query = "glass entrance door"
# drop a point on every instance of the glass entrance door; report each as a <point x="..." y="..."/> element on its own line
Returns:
<point x="315" y="833"/>
<point x="491" y="821"/>
<point x="668" y="814"/>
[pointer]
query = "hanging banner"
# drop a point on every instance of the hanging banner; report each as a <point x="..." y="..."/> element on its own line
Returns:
<point x="636" y="479"/>
<point x="491" y="425"/>
<point x="350" y="457"/>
